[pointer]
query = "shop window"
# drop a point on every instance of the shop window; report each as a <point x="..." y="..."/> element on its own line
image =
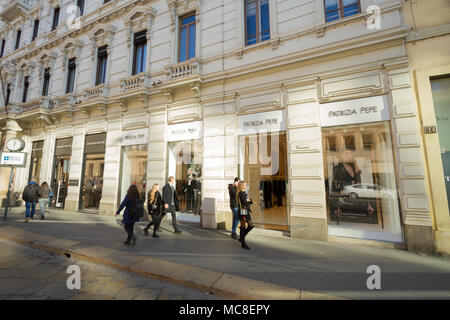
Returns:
<point x="257" y="21"/>
<point x="140" y="52"/>
<point x="187" y="37"/>
<point x="26" y="86"/>
<point x="440" y="87"/>
<point x="36" y="161"/>
<point x="55" y="21"/>
<point x="338" y="9"/>
<point x="46" y="84"/>
<point x="18" y="36"/>
<point x="134" y="169"/>
<point x="71" y="76"/>
<point x="361" y="188"/>
<point x="102" y="57"/>
<point x="35" y="29"/>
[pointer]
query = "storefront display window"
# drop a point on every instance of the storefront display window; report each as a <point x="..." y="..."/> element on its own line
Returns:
<point x="36" y="161"/>
<point x="60" y="182"/>
<point x="441" y="100"/>
<point x="134" y="169"/>
<point x="360" y="180"/>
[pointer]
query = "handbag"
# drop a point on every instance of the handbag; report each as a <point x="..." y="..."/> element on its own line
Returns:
<point x="243" y="211"/>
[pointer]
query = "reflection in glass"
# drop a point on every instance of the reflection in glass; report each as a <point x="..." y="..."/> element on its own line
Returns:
<point x="134" y="169"/>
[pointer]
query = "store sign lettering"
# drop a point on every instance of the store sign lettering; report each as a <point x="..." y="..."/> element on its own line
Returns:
<point x="363" y="110"/>
<point x="185" y="131"/>
<point x="262" y="122"/>
<point x="134" y="137"/>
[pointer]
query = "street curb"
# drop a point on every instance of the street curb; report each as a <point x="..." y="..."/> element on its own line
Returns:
<point x="217" y="283"/>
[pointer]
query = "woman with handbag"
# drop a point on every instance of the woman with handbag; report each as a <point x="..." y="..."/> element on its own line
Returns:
<point x="154" y="205"/>
<point x="244" y="203"/>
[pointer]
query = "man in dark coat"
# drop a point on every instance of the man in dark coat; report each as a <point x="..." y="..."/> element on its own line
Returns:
<point x="170" y="202"/>
<point x="30" y="196"/>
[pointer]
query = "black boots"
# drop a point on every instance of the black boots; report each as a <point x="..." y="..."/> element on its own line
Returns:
<point x="243" y="233"/>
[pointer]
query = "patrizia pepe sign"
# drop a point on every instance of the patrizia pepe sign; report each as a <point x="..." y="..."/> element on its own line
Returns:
<point x="134" y="137"/>
<point x="272" y="121"/>
<point x="185" y="131"/>
<point x="364" y="110"/>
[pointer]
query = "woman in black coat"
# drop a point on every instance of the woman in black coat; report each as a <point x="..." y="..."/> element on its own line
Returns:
<point x="244" y="203"/>
<point x="128" y="220"/>
<point x="154" y="206"/>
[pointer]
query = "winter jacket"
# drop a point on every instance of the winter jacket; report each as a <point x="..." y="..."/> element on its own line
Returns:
<point x="30" y="193"/>
<point x="127" y="203"/>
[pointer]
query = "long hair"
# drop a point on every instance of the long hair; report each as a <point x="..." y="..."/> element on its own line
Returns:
<point x="133" y="192"/>
<point x="152" y="193"/>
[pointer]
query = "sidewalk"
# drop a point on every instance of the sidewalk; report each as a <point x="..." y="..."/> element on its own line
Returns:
<point x="335" y="269"/>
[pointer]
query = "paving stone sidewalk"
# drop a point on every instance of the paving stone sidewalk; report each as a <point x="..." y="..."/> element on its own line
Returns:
<point x="31" y="274"/>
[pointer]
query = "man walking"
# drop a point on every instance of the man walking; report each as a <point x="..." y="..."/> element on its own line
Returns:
<point x="170" y="201"/>
<point x="232" y="189"/>
<point x="30" y="196"/>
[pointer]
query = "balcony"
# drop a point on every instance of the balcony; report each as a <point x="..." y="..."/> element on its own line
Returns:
<point x="183" y="70"/>
<point x="15" y="8"/>
<point x="95" y="92"/>
<point x="68" y="99"/>
<point x="135" y="82"/>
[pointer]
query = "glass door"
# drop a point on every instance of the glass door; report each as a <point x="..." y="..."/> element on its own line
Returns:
<point x="91" y="193"/>
<point x="262" y="165"/>
<point x="61" y="180"/>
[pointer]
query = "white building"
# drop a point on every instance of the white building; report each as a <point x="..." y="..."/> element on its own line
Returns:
<point x="310" y="104"/>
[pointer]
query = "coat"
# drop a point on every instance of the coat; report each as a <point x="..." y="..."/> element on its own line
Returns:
<point x="167" y="196"/>
<point x="244" y="204"/>
<point x="127" y="204"/>
<point x="30" y="193"/>
<point x="158" y="202"/>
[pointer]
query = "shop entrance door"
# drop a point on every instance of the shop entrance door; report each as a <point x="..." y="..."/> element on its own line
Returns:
<point x="92" y="181"/>
<point x="60" y="181"/>
<point x="185" y="164"/>
<point x="262" y="165"/>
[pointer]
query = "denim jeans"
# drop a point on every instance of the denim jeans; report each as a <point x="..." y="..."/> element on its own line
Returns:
<point x="32" y="206"/>
<point x="235" y="219"/>
<point x="42" y="204"/>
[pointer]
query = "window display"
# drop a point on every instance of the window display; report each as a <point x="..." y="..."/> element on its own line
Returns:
<point x="360" y="182"/>
<point x="134" y="169"/>
<point x="36" y="161"/>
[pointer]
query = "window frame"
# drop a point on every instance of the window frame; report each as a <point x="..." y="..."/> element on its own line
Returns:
<point x="55" y="21"/>
<point x="18" y="38"/>
<point x="26" y="87"/>
<point x="2" y="50"/>
<point x="8" y="93"/>
<point x="81" y="4"/>
<point x="102" y="55"/>
<point x="187" y="26"/>
<point x="71" y="67"/>
<point x="137" y="42"/>
<point x="35" y="30"/>
<point x="258" y="22"/>
<point x="46" y="83"/>
<point x="340" y="9"/>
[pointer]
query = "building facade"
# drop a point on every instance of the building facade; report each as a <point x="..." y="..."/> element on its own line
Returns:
<point x="311" y="102"/>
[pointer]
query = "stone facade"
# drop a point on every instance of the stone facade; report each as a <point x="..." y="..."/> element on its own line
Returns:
<point x="306" y="62"/>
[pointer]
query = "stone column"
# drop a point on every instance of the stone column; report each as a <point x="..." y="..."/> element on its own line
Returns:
<point x="157" y="149"/>
<point x="11" y="130"/>
<point x="76" y="167"/>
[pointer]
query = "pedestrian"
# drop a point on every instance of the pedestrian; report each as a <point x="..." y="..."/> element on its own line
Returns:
<point x="30" y="196"/>
<point x="154" y="206"/>
<point x="44" y="196"/>
<point x="244" y="203"/>
<point x="170" y="201"/>
<point x="232" y="189"/>
<point x="129" y="219"/>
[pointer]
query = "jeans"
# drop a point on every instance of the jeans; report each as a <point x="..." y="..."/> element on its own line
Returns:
<point x="42" y="204"/>
<point x="32" y="206"/>
<point x="235" y="219"/>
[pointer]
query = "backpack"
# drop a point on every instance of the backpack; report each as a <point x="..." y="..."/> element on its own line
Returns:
<point x="28" y="193"/>
<point x="137" y="211"/>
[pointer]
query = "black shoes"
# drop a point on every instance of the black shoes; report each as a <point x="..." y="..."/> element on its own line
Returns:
<point x="178" y="231"/>
<point x="245" y="246"/>
<point x="42" y="217"/>
<point x="155" y="235"/>
<point x="127" y="242"/>
<point x="234" y="236"/>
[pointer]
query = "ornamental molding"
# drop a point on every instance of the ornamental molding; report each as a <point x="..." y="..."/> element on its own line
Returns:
<point x="140" y="18"/>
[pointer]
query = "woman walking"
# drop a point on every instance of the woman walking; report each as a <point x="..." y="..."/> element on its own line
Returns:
<point x="244" y="203"/>
<point x="44" y="196"/>
<point x="154" y="206"/>
<point x="129" y="203"/>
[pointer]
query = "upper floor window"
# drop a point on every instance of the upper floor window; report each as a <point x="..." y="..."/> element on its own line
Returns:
<point x="80" y="4"/>
<point x="3" y="48"/>
<point x="187" y="38"/>
<point x="71" y="75"/>
<point x="35" y="29"/>
<point x="55" y="18"/>
<point x="26" y="86"/>
<point x="337" y="9"/>
<point x="257" y="22"/>
<point x="8" y="93"/>
<point x="46" y="84"/>
<point x="102" y="57"/>
<point x="140" y="50"/>
<point x="18" y="35"/>
<point x="105" y="1"/>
